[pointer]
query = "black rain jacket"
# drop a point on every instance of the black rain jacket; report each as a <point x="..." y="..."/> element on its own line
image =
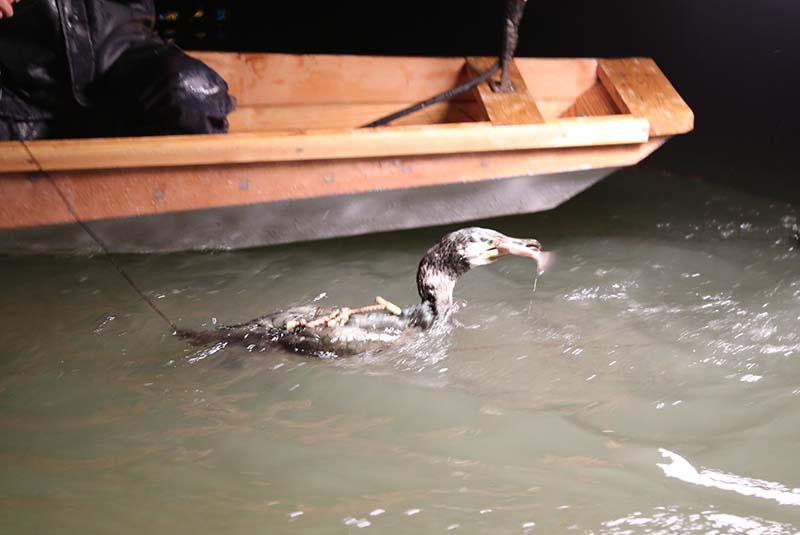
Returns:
<point x="52" y="50"/>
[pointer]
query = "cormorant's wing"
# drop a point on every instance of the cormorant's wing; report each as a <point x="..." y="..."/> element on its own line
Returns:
<point x="362" y="332"/>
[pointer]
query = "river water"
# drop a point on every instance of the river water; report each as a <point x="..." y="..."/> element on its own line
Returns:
<point x="650" y="384"/>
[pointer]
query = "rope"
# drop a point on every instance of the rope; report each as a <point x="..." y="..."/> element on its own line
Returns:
<point x="106" y="251"/>
<point x="446" y="95"/>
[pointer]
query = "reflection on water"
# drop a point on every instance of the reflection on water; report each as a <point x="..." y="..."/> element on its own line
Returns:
<point x="648" y="385"/>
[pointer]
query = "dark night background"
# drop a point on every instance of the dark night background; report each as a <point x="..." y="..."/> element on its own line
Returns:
<point x="737" y="62"/>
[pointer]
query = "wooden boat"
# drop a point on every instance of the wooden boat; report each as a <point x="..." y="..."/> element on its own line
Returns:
<point x="295" y="165"/>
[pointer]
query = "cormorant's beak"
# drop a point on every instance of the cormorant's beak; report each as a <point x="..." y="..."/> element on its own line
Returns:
<point x="529" y="248"/>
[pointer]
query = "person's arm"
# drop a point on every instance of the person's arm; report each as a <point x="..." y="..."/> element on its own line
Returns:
<point x="6" y="9"/>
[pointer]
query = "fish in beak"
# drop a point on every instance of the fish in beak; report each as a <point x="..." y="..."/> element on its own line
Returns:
<point x="480" y="246"/>
<point x="528" y="248"/>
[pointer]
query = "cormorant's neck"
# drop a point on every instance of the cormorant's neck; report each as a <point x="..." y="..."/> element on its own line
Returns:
<point x="436" y="279"/>
<point x="436" y="290"/>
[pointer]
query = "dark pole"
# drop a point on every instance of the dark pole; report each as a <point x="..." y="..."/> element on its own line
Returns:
<point x="514" y="11"/>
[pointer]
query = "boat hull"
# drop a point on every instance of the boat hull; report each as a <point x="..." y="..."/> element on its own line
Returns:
<point x="313" y="218"/>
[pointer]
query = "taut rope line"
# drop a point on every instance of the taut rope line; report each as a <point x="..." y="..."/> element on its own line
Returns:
<point x="106" y="251"/>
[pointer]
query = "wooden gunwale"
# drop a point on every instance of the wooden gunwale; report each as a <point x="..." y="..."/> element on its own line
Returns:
<point x="72" y="154"/>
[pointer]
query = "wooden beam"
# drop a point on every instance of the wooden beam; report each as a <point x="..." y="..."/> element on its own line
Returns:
<point x="639" y="87"/>
<point x="557" y="78"/>
<point x="14" y="157"/>
<point x="116" y="153"/>
<point x="331" y="116"/>
<point x="594" y="101"/>
<point x="505" y="108"/>
<point x="112" y="193"/>
<point x="258" y="79"/>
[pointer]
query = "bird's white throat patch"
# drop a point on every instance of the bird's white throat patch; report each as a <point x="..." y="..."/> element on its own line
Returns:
<point x="478" y="254"/>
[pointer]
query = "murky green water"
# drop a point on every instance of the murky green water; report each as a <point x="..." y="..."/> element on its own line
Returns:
<point x="651" y="384"/>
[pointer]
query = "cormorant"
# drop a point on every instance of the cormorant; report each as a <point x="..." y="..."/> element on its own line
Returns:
<point x="326" y="331"/>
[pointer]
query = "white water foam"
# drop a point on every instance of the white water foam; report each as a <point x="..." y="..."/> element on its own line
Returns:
<point x="681" y="469"/>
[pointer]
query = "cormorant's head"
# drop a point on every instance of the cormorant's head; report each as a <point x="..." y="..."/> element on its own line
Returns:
<point x="480" y="246"/>
<point x="458" y="252"/>
<point x="470" y="247"/>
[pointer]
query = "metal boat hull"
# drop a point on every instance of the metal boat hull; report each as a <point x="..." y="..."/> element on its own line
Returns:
<point x="255" y="225"/>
